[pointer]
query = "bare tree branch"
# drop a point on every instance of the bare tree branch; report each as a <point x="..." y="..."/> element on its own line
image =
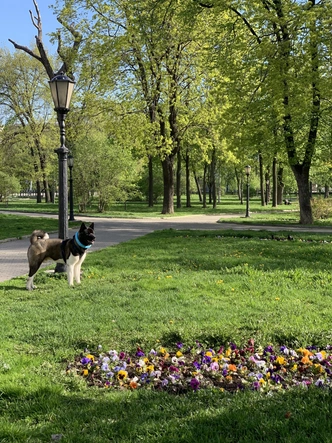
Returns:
<point x="43" y="58"/>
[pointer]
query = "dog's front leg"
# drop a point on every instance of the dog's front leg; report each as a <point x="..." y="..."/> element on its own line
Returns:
<point x="70" y="274"/>
<point x="77" y="272"/>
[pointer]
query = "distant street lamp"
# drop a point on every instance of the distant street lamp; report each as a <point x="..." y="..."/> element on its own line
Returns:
<point x="247" y="171"/>
<point x="71" y="199"/>
<point x="61" y="89"/>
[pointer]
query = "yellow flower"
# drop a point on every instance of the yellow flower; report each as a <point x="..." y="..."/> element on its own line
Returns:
<point x="122" y="374"/>
<point x="280" y="360"/>
<point x="179" y="354"/>
<point x="90" y="356"/>
<point x="85" y="372"/>
<point x="150" y="368"/>
<point x="208" y="354"/>
<point x="294" y="368"/>
<point x="228" y="352"/>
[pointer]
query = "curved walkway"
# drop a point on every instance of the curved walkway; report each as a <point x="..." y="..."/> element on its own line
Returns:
<point x="13" y="259"/>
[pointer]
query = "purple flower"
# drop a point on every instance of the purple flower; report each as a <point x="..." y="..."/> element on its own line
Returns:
<point x="197" y="365"/>
<point x="232" y="346"/>
<point x="122" y="355"/>
<point x="179" y="345"/>
<point x="139" y="353"/>
<point x="85" y="360"/>
<point x="268" y="349"/>
<point x="194" y="383"/>
<point x="214" y="366"/>
<point x="173" y="368"/>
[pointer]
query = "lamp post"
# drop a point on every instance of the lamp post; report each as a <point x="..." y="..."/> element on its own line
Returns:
<point x="247" y="171"/>
<point x="61" y="89"/>
<point x="71" y="199"/>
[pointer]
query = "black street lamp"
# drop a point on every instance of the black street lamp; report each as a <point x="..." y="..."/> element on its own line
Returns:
<point x="71" y="199"/>
<point x="247" y="171"/>
<point x="61" y="89"/>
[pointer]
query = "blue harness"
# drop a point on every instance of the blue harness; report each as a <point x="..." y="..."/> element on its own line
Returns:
<point x="75" y="245"/>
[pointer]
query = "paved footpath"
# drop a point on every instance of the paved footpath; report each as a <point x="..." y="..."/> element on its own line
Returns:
<point x="13" y="254"/>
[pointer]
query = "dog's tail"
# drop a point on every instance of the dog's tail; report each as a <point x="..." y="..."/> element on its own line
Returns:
<point x="38" y="235"/>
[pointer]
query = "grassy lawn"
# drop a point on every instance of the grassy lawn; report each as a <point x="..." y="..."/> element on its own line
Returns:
<point x="228" y="206"/>
<point x="166" y="287"/>
<point x="17" y="226"/>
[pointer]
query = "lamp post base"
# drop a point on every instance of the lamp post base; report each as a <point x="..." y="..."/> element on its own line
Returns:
<point x="60" y="268"/>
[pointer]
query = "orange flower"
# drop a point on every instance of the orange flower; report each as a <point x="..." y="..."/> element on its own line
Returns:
<point x="232" y="367"/>
<point x="305" y="360"/>
<point x="133" y="385"/>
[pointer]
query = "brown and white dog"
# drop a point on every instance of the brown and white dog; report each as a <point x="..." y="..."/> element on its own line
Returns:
<point x="71" y="251"/>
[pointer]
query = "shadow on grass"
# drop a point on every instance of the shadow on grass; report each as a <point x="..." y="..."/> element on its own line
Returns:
<point x="149" y="416"/>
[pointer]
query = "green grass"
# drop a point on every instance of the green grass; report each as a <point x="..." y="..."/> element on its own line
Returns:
<point x="229" y="204"/>
<point x="228" y="208"/>
<point x="166" y="287"/>
<point x="17" y="226"/>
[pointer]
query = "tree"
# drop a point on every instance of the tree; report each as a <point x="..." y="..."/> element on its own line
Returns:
<point x="26" y="109"/>
<point x="286" y="45"/>
<point x="8" y="185"/>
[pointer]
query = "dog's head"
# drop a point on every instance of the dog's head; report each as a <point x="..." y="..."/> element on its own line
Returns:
<point x="86" y="234"/>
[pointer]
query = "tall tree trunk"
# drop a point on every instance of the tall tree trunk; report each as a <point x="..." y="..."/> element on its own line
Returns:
<point x="274" y="183"/>
<point x="281" y="185"/>
<point x="168" y="176"/>
<point x="267" y="187"/>
<point x="301" y="174"/>
<point x="47" y="191"/>
<point x="188" y="190"/>
<point x="326" y="191"/>
<point x="150" y="178"/>
<point x="261" y="179"/>
<point x="213" y="179"/>
<point x="178" y="180"/>
<point x="38" y="189"/>
<point x="204" y="184"/>
<point x="239" y="185"/>
<point x="199" y="191"/>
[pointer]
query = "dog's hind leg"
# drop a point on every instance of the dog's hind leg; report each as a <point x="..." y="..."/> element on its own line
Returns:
<point x="32" y="271"/>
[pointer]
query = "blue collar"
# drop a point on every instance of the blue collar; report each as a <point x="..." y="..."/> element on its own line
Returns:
<point x="80" y="244"/>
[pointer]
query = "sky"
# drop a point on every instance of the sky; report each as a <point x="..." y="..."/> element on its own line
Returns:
<point x="15" y="22"/>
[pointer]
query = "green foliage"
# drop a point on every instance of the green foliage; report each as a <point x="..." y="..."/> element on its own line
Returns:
<point x="321" y="208"/>
<point x="8" y="185"/>
<point x="104" y="167"/>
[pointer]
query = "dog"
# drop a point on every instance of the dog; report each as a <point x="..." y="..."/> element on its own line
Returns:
<point x="71" y="251"/>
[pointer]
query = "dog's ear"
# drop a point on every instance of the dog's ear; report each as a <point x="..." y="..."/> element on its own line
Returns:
<point x="83" y="227"/>
<point x="92" y="226"/>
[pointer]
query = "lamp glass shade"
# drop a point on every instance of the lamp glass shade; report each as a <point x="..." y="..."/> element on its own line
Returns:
<point x="247" y="169"/>
<point x="61" y="89"/>
<point x="70" y="161"/>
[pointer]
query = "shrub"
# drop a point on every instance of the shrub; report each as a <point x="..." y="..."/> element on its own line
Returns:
<point x="321" y="208"/>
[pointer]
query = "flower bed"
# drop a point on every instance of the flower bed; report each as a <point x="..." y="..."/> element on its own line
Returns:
<point x="230" y="369"/>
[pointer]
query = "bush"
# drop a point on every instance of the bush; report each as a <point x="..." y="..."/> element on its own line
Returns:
<point x="8" y="185"/>
<point x="321" y="208"/>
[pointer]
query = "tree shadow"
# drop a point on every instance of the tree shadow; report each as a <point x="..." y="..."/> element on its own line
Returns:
<point x="150" y="416"/>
